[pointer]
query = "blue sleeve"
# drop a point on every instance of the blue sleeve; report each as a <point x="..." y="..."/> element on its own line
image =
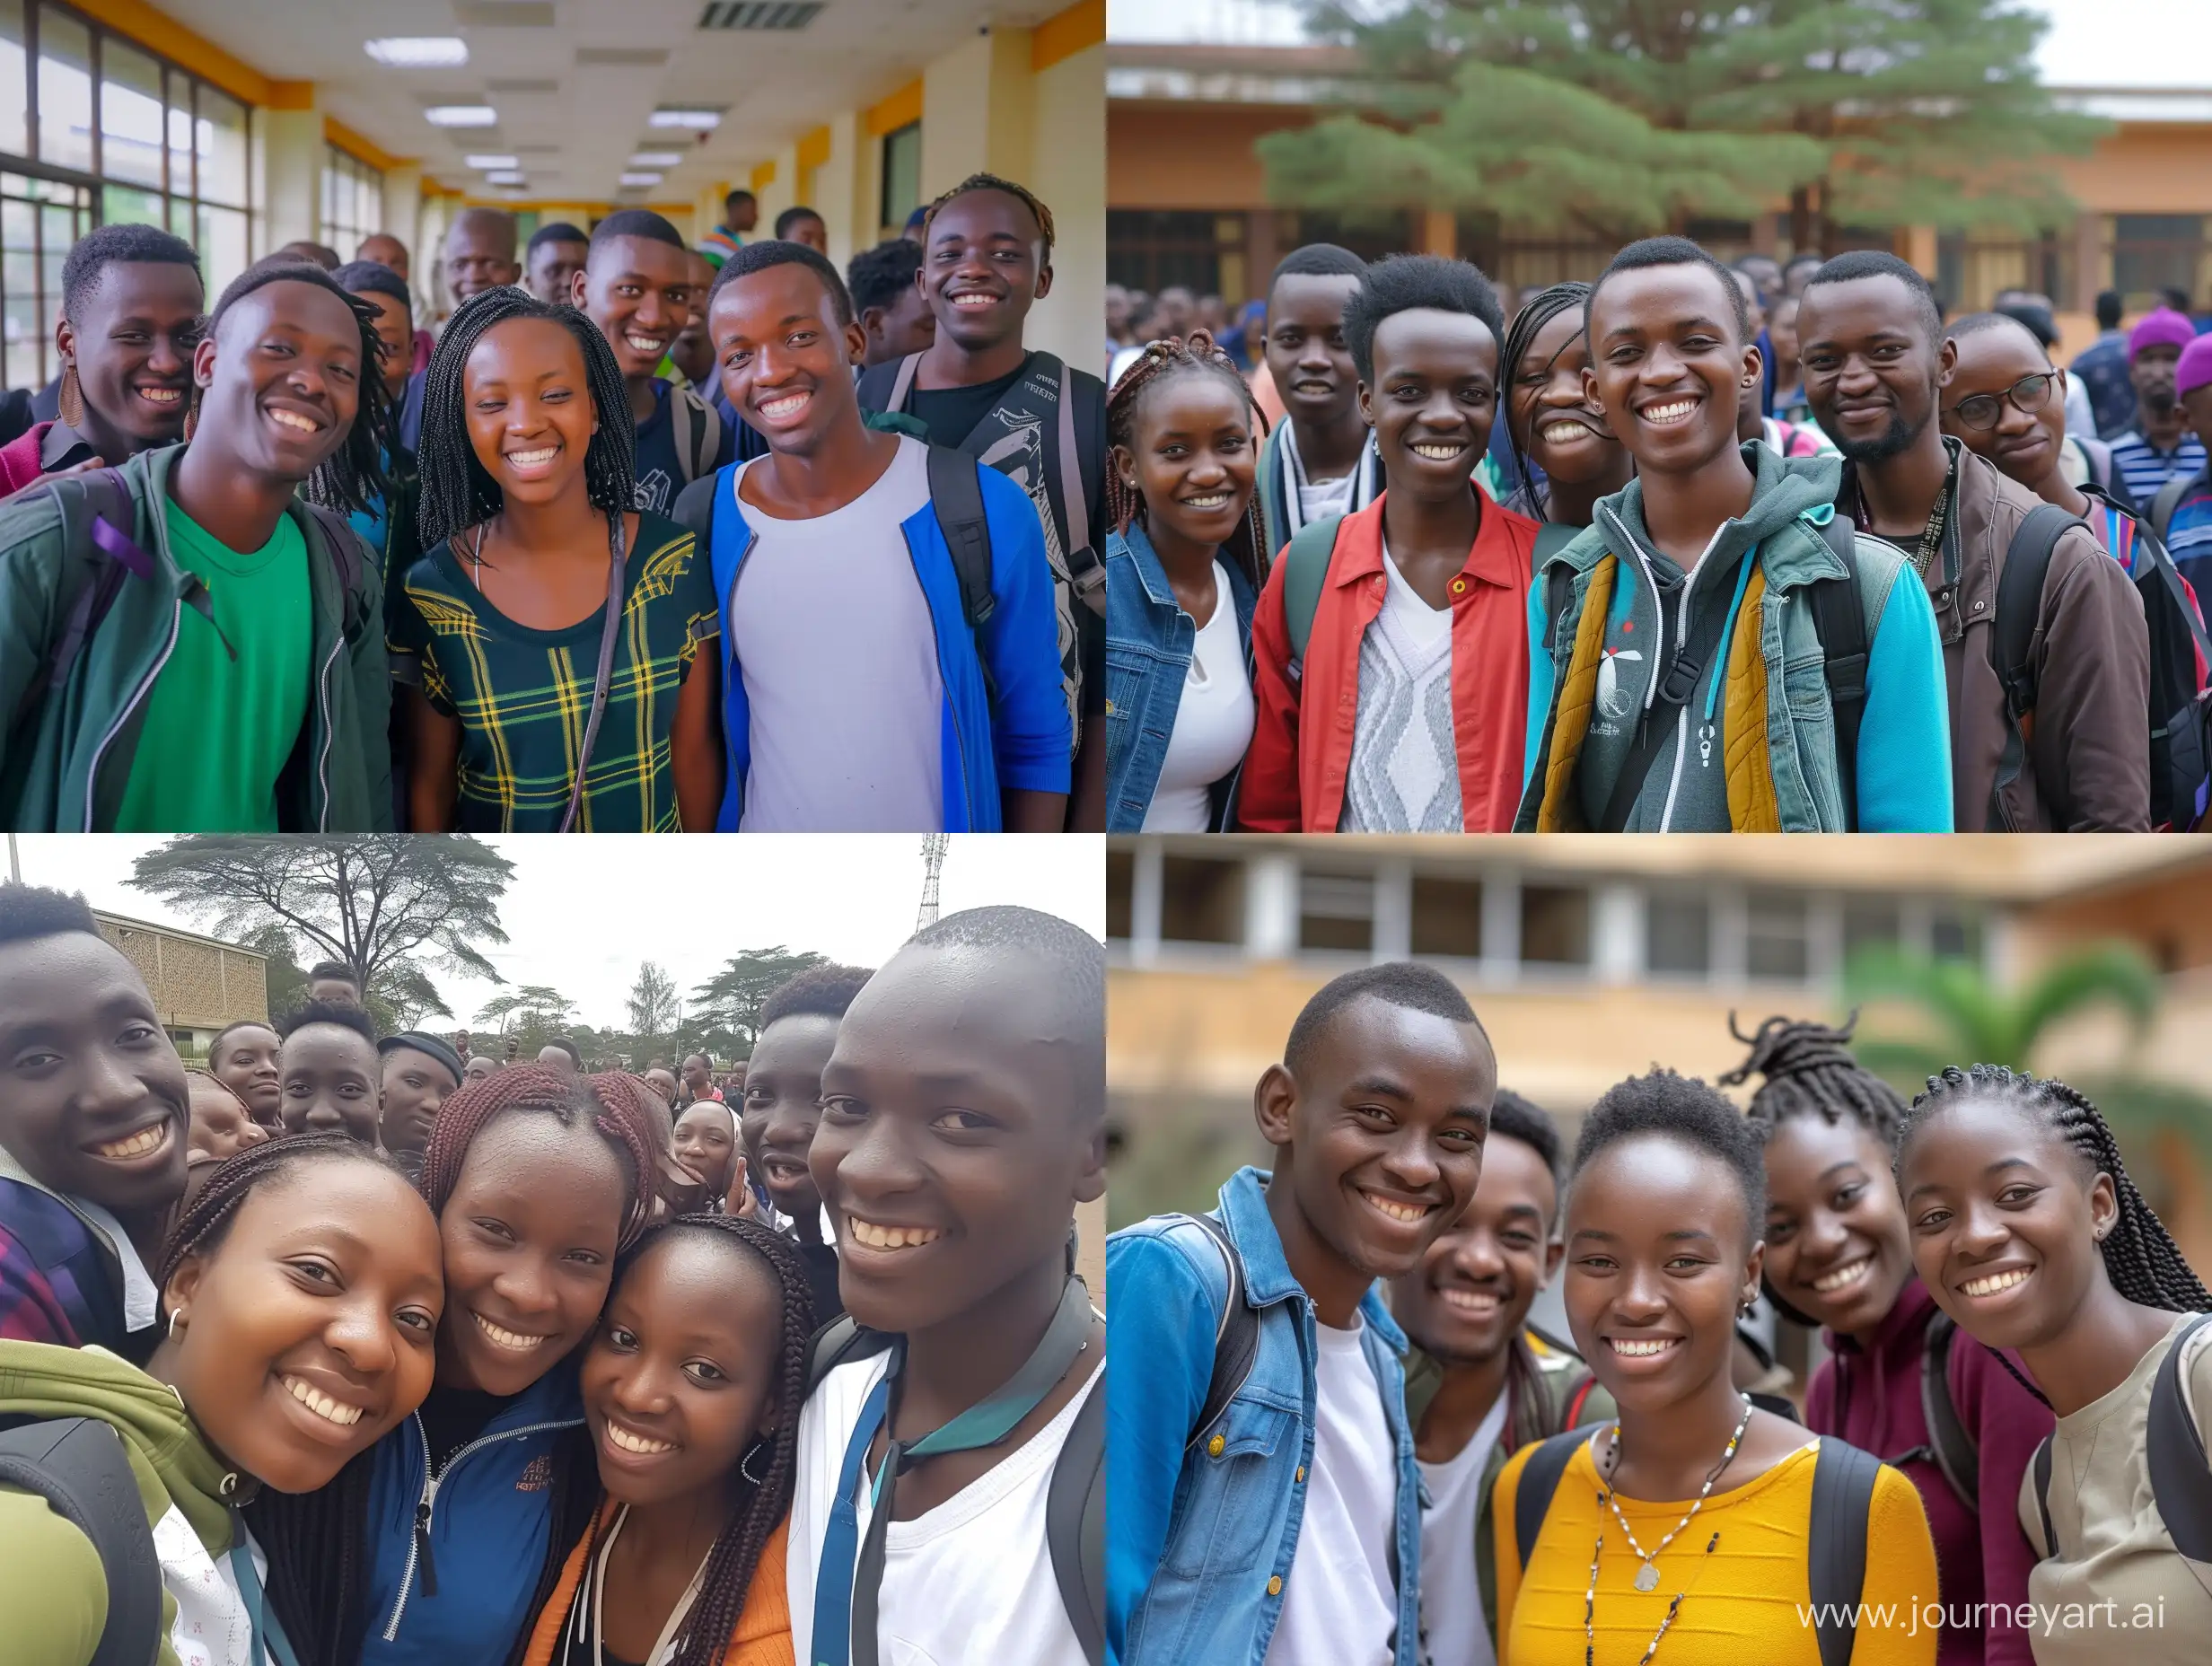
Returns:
<point x="1904" y="737"/>
<point x="1160" y="1347"/>
<point x="1539" y="681"/>
<point x="1031" y="737"/>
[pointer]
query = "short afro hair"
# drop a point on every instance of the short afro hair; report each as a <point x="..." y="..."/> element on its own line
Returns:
<point x="1689" y="1110"/>
<point x="1410" y="283"/>
<point x="567" y="1047"/>
<point x="556" y="232"/>
<point x="32" y="911"/>
<point x="818" y="992"/>
<point x="636" y="222"/>
<point x="1514" y="1117"/>
<point x="883" y="274"/>
<point x="1318" y="260"/>
<point x="739" y="196"/>
<point x="97" y="249"/>
<point x="373" y="278"/>
<point x="1656" y="251"/>
<point x="1398" y="983"/>
<point x="336" y="971"/>
<point x="1981" y="323"/>
<point x="791" y="215"/>
<point x="1864" y="263"/>
<point x="759" y="257"/>
<point x="327" y="1012"/>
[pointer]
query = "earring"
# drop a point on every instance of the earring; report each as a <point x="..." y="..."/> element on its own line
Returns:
<point x="175" y="1313"/>
<point x="71" y="399"/>
<point x="744" y="1464"/>
<point x="191" y="415"/>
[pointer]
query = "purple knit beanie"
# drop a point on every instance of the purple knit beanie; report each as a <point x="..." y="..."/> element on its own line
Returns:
<point x="2195" y="369"/>
<point x="2166" y="328"/>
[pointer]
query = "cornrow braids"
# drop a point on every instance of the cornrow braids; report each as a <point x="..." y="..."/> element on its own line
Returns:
<point x="1538" y="310"/>
<point x="1161" y="363"/>
<point x="1809" y="1071"/>
<point x="457" y="491"/>
<point x="992" y="182"/>
<point x="533" y="1087"/>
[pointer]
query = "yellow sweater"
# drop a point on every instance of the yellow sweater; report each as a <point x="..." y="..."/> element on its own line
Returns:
<point x="1747" y="1602"/>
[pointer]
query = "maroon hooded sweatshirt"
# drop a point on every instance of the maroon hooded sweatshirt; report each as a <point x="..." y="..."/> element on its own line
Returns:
<point x="1871" y="1398"/>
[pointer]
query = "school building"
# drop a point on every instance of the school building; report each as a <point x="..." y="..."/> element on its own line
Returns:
<point x="199" y="985"/>
<point x="243" y="124"/>
<point x="1188" y="201"/>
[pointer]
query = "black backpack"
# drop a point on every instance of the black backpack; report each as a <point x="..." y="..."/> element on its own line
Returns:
<point x="1074" y="1498"/>
<point x="78" y="1465"/>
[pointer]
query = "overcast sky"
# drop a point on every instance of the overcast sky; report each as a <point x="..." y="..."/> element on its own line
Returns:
<point x="2091" y="43"/>
<point x="581" y="914"/>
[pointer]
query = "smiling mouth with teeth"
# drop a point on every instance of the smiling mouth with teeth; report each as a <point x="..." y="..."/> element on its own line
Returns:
<point x="161" y="396"/>
<point x="1561" y="433"/>
<point x="1997" y="1283"/>
<point x="645" y="344"/>
<point x="876" y="1237"/>
<point x="1673" y="411"/>
<point x="1441" y="451"/>
<point x="1211" y="500"/>
<point x="628" y="1440"/>
<point x="975" y="302"/>
<point x="514" y="1341"/>
<point x="136" y="1144"/>
<point x="1849" y="1273"/>
<point x="292" y="419"/>
<point x="1405" y="1212"/>
<point x="319" y="1403"/>
<point x="782" y="405"/>
<point x="1650" y="1349"/>
<point x="1475" y="1304"/>
<point x="531" y="459"/>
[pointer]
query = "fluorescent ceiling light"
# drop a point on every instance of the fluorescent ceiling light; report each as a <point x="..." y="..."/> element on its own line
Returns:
<point x="492" y="161"/>
<point x="656" y="159"/>
<point x="461" y="116"/>
<point x="631" y="179"/>
<point x="503" y="178"/>
<point x="686" y="116"/>
<point x="420" y="51"/>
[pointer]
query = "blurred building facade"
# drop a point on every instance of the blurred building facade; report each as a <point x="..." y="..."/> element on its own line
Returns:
<point x="198" y="984"/>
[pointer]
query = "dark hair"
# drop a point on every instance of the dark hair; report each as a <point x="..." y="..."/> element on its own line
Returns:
<point x="567" y="1047"/>
<point x="759" y="257"/>
<point x="573" y="1103"/>
<point x="880" y="274"/>
<point x="739" y="196"/>
<point x="792" y="216"/>
<point x="558" y="232"/>
<point x="2033" y="318"/>
<point x="236" y="1024"/>
<point x="1536" y="312"/>
<point x="992" y="182"/>
<point x="102" y="247"/>
<point x="30" y="911"/>
<point x="1802" y="257"/>
<point x="818" y="992"/>
<point x="1864" y="263"/>
<point x="1407" y="984"/>
<point x="1403" y="283"/>
<point x="307" y="249"/>
<point x="2176" y="297"/>
<point x="636" y="222"/>
<point x="332" y="970"/>
<point x="1514" y="1117"/>
<point x="1978" y="323"/>
<point x="351" y="477"/>
<point x="201" y="1228"/>
<point x="1161" y="363"/>
<point x="1317" y="260"/>
<point x="373" y="278"/>
<point x="1657" y="251"/>
<point x="328" y="1013"/>
<point x="1809" y="1071"/>
<point x="457" y="491"/>
<point x="2109" y="307"/>
<point x="1685" y="1109"/>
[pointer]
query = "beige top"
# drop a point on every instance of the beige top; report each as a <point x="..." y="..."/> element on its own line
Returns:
<point x="2119" y="1590"/>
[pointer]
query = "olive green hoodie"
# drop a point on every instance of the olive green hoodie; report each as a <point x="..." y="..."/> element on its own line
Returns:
<point x="51" y="1586"/>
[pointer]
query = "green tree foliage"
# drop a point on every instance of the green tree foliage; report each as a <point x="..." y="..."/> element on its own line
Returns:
<point x="1613" y="119"/>
<point x="532" y="1015"/>
<point x="731" y="1000"/>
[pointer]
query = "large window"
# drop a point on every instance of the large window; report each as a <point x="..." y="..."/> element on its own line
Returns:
<point x="95" y="130"/>
<point x="353" y="201"/>
<point x="1156" y="248"/>
<point x="903" y="177"/>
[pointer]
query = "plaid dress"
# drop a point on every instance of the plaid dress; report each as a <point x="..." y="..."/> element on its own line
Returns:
<point x="523" y="696"/>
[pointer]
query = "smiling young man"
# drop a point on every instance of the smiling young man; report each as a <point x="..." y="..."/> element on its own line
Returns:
<point x="1478" y="1388"/>
<point x="94" y="1119"/>
<point x="1878" y="369"/>
<point x="479" y="252"/>
<point x="328" y="1072"/>
<point x="1304" y="1473"/>
<point x="963" y="1123"/>
<point x="1678" y="645"/>
<point x="236" y="681"/>
<point x="856" y="694"/>
<point x="1390" y="660"/>
<point x="1321" y="460"/>
<point x="418" y="1073"/>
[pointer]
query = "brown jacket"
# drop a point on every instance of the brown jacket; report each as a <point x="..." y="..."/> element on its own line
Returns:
<point x="2088" y="763"/>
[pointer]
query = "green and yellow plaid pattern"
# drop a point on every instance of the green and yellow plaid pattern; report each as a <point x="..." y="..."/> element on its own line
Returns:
<point x="523" y="696"/>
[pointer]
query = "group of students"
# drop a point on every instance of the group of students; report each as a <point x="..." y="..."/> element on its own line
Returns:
<point x="1334" y="1435"/>
<point x="290" y="565"/>
<point x="317" y="1358"/>
<point x="1608" y="588"/>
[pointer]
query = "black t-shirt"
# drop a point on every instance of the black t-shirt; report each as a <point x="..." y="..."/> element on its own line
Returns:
<point x="452" y="1418"/>
<point x="821" y="1277"/>
<point x="952" y="414"/>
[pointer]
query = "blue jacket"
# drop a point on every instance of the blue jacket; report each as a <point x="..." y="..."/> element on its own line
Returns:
<point x="491" y="1513"/>
<point x="1006" y="727"/>
<point x="1148" y="644"/>
<point x="1200" y="1541"/>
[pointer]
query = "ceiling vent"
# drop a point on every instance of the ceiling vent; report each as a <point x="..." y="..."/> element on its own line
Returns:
<point x="786" y="15"/>
<point x="525" y="84"/>
<point x="503" y="14"/>
<point x="621" y="57"/>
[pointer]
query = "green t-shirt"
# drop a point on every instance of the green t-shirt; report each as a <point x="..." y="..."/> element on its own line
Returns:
<point x="217" y="733"/>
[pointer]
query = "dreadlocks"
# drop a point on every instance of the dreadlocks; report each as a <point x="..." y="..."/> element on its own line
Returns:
<point x="572" y="1103"/>
<point x="1809" y="1071"/>
<point x="992" y="182"/>
<point x="457" y="491"/>
<point x="353" y="476"/>
<point x="1528" y="323"/>
<point x="1163" y="362"/>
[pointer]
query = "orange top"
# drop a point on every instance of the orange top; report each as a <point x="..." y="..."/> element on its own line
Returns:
<point x="763" y="1633"/>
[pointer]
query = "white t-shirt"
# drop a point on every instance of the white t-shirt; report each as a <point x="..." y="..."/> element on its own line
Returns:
<point x="1450" y="1594"/>
<point x="970" y="1580"/>
<point x="1213" y="722"/>
<point x="1317" y="498"/>
<point x="1340" y="1600"/>
<point x="840" y="656"/>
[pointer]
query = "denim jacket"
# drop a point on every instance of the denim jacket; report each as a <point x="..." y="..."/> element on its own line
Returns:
<point x="1148" y="644"/>
<point x="1205" y="1524"/>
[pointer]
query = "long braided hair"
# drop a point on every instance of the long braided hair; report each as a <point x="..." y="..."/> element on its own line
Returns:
<point x="759" y="1506"/>
<point x="572" y="1102"/>
<point x="2141" y="1259"/>
<point x="1161" y="363"/>
<point x="1538" y="310"/>
<point x="457" y="491"/>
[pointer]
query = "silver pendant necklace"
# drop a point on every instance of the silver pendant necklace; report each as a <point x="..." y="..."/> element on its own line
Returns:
<point x="1647" y="1575"/>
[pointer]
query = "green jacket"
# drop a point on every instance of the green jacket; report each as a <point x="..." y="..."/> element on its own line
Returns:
<point x="51" y="1586"/>
<point x="66" y="754"/>
<point x="1560" y="1376"/>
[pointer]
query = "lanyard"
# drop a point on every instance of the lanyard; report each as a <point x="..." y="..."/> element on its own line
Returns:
<point x="850" y="1571"/>
<point x="596" y="1600"/>
<point x="268" y="1638"/>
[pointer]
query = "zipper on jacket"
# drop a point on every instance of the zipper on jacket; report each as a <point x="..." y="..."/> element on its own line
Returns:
<point x="425" y="1507"/>
<point x="322" y="764"/>
<point x="145" y="687"/>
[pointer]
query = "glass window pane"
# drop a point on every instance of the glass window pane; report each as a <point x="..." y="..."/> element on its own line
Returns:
<point x="65" y="91"/>
<point x="180" y="135"/>
<point x="128" y="204"/>
<point x="1201" y="900"/>
<point x="1868" y="922"/>
<point x="130" y="115"/>
<point x="1956" y="937"/>
<point x="902" y="176"/>
<point x="1775" y="946"/>
<point x="1678" y="936"/>
<point x="1447" y="916"/>
<point x="14" y="88"/>
<point x="222" y="145"/>
<point x="1335" y="912"/>
<point x="221" y="239"/>
<point x="1555" y="926"/>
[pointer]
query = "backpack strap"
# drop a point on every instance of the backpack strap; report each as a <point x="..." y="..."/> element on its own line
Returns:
<point x="1086" y="571"/>
<point x="1236" y="1333"/>
<point x="1540" y="1479"/>
<point x="838" y="1343"/>
<point x="956" y="495"/>
<point x="2173" y="1452"/>
<point x="1843" y="1487"/>
<point x="79" y="1466"/>
<point x="2040" y="1470"/>
<point x="2019" y="599"/>
<point x="339" y="545"/>
<point x="1952" y="1444"/>
<point x="1575" y="1401"/>
<point x="2169" y="498"/>
<point x="1075" y="1525"/>
<point x="1305" y="573"/>
<point x="99" y="556"/>
<point x="1840" y="621"/>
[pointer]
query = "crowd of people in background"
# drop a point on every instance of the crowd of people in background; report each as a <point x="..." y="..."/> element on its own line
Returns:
<point x="300" y="563"/>
<point x="1334" y="1432"/>
<point x="1696" y="547"/>
<point x="353" y="1346"/>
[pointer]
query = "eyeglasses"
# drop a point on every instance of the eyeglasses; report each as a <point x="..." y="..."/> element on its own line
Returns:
<point x="1986" y="410"/>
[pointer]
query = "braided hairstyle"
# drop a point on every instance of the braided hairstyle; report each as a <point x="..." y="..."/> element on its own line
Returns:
<point x="1538" y="310"/>
<point x="204" y="1222"/>
<point x="736" y="1556"/>
<point x="457" y="491"/>
<point x="992" y="182"/>
<point x="1162" y="362"/>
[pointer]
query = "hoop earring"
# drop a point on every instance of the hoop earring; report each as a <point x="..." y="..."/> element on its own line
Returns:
<point x="70" y="401"/>
<point x="175" y="1313"/>
<point x="744" y="1464"/>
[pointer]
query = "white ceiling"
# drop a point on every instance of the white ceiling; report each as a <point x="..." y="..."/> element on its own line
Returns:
<point x="574" y="122"/>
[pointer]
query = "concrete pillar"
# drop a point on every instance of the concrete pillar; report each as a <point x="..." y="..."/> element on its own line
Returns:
<point x="1393" y="910"/>
<point x="833" y="190"/>
<point x="2092" y="265"/>
<point x="1440" y="232"/>
<point x="291" y="200"/>
<point x="1616" y="934"/>
<point x="706" y="207"/>
<point x="1146" y="877"/>
<point x="403" y="204"/>
<point x="1271" y="905"/>
<point x="1501" y="926"/>
<point x="1917" y="248"/>
<point x="977" y="111"/>
<point x="1067" y="170"/>
<point x="780" y="192"/>
<point x="1263" y="250"/>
